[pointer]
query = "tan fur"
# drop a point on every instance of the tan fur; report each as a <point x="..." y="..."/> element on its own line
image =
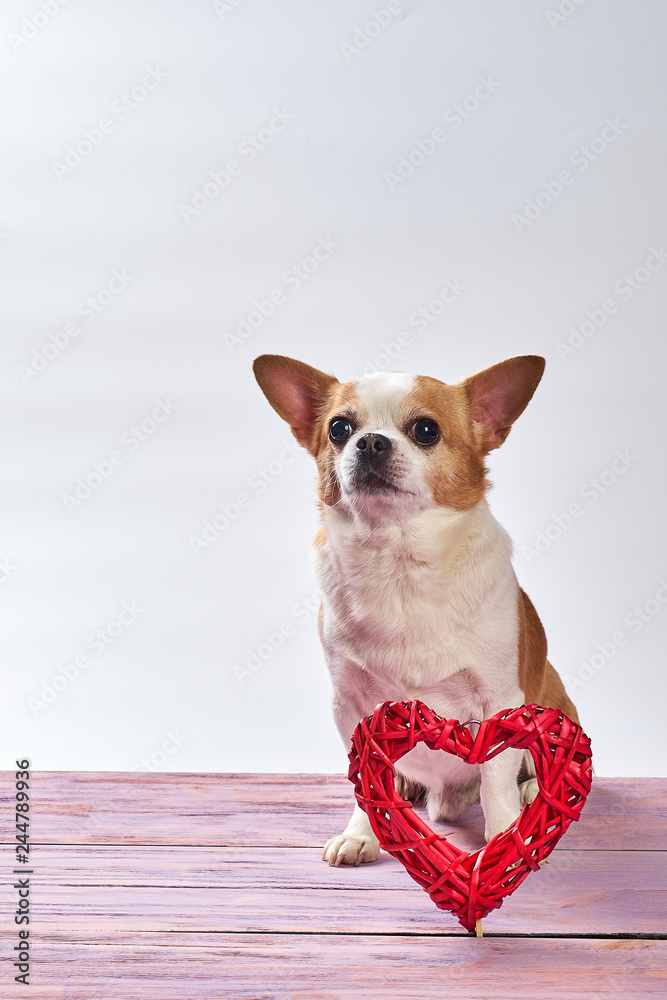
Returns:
<point x="491" y="415"/>
<point x="458" y="477"/>
<point x="538" y="679"/>
<point x="341" y="401"/>
<point x="278" y="379"/>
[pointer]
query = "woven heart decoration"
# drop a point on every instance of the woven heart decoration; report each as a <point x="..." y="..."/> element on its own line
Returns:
<point x="471" y="884"/>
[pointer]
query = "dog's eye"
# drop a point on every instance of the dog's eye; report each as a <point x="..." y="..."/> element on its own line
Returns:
<point x="425" y="431"/>
<point x="339" y="430"/>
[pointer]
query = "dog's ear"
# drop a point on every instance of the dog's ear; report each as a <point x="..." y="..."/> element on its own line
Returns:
<point x="500" y="394"/>
<point x="296" y="392"/>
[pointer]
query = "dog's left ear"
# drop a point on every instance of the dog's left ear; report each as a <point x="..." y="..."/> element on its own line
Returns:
<point x="500" y="394"/>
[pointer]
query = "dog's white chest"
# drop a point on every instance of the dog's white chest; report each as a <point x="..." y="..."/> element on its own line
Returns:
<point x="423" y="609"/>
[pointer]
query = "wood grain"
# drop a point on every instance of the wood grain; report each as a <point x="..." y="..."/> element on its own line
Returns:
<point x="290" y="810"/>
<point x="242" y="889"/>
<point x="341" y="967"/>
<point x="199" y="887"/>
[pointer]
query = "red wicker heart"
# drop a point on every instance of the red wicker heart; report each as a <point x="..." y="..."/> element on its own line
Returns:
<point x="471" y="885"/>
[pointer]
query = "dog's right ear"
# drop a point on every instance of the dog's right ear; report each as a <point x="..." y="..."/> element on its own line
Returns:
<point x="296" y="392"/>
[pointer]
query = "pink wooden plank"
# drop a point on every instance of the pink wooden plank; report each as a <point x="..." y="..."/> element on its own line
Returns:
<point x="276" y="810"/>
<point x="338" y="967"/>
<point x="236" y="889"/>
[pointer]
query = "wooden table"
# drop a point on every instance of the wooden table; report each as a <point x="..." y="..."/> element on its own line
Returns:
<point x="208" y="886"/>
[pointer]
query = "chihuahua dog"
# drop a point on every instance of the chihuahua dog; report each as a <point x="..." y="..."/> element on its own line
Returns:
<point x="419" y="596"/>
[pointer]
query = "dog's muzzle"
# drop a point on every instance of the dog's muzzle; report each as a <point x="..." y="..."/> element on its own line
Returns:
<point x="373" y="454"/>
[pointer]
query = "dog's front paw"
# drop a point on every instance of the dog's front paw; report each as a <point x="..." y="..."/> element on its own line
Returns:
<point x="346" y="849"/>
<point x="528" y="791"/>
<point x="498" y="823"/>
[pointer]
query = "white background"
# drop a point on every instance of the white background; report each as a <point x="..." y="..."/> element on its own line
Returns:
<point x="164" y="693"/>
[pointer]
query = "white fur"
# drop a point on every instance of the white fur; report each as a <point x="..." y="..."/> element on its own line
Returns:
<point x="421" y="609"/>
<point x="381" y="394"/>
<point x="419" y="601"/>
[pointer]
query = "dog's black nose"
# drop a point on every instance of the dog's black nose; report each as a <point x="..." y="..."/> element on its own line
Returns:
<point x="373" y="444"/>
